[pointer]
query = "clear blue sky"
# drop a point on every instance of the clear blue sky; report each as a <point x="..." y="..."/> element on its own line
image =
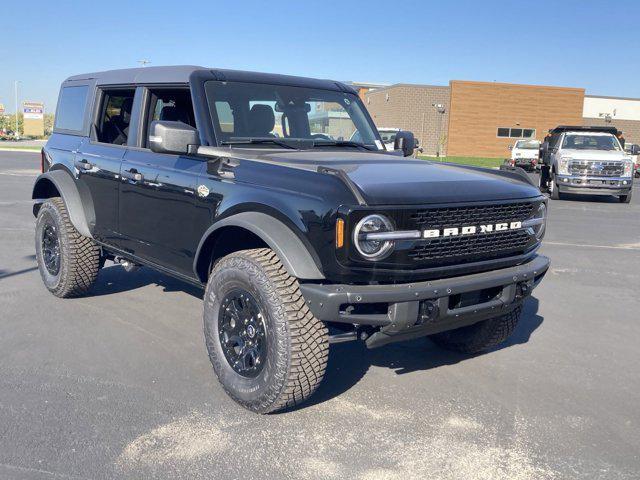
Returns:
<point x="590" y="44"/>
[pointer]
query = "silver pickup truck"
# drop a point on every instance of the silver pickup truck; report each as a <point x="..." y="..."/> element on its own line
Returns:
<point x="587" y="160"/>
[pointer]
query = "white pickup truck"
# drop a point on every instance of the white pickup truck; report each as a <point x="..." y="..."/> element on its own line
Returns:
<point x="525" y="154"/>
<point x="587" y="160"/>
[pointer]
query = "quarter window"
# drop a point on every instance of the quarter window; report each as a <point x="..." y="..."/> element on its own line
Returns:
<point x="506" y="132"/>
<point x="70" y="114"/>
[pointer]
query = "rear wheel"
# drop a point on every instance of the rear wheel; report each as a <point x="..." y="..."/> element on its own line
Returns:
<point x="68" y="262"/>
<point x="267" y="349"/>
<point x="479" y="336"/>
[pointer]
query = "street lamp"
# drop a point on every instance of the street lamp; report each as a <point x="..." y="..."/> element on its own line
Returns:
<point x="15" y="85"/>
<point x="440" y="108"/>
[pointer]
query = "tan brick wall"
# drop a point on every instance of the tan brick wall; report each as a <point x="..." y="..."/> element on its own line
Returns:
<point x="410" y="107"/>
<point x="479" y="108"/>
<point x="630" y="128"/>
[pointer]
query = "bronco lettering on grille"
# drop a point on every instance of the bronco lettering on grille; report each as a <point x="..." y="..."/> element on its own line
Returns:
<point x="471" y="230"/>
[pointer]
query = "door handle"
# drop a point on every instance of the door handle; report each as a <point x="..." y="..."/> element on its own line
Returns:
<point x="133" y="174"/>
<point x="83" y="165"/>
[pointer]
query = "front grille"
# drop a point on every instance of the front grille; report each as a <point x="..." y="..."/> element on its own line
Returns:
<point x="458" y="249"/>
<point x="585" y="168"/>
<point x="446" y="250"/>
<point x="475" y="215"/>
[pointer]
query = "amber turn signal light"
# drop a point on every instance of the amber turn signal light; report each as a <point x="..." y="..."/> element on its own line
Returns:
<point x="339" y="233"/>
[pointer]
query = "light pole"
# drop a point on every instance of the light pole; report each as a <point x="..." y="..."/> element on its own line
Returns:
<point x="15" y="85"/>
<point x="441" y="110"/>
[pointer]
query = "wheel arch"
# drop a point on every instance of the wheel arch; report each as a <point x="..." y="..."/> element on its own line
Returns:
<point x="255" y="230"/>
<point x="60" y="183"/>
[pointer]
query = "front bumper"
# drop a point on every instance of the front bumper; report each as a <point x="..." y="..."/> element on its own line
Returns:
<point x="594" y="185"/>
<point x="423" y="308"/>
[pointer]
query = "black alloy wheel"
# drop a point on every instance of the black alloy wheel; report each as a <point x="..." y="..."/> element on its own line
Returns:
<point x="243" y="333"/>
<point x="51" y="248"/>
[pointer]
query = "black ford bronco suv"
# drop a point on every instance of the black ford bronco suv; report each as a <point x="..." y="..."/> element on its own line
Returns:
<point x="245" y="184"/>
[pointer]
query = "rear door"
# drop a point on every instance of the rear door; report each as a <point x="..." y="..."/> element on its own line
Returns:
<point x="100" y="155"/>
<point x="157" y="214"/>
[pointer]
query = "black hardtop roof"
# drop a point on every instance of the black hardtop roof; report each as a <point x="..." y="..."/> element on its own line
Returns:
<point x="584" y="128"/>
<point x="182" y="74"/>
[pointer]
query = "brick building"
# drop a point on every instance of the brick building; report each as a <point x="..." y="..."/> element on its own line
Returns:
<point x="422" y="109"/>
<point x="484" y="118"/>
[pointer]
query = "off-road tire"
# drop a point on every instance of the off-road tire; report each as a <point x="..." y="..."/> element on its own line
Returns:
<point x="79" y="255"/>
<point x="625" y="198"/>
<point x="480" y="336"/>
<point x="297" y="342"/>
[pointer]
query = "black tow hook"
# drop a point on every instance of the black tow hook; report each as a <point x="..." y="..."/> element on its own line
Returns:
<point x="361" y="332"/>
<point x="522" y="290"/>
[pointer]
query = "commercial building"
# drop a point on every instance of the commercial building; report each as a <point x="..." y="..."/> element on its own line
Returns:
<point x="483" y="118"/>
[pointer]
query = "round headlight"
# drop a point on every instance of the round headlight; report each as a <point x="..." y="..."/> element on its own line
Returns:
<point x="542" y="215"/>
<point x="372" y="249"/>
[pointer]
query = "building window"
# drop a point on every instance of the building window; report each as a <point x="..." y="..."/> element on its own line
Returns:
<point x="505" y="132"/>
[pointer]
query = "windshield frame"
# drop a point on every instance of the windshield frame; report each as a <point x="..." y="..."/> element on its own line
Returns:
<point x="219" y="140"/>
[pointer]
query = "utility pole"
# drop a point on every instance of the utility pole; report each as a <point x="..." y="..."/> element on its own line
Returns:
<point x="15" y="85"/>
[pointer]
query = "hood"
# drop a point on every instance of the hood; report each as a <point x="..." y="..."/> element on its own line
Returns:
<point x="598" y="155"/>
<point x="386" y="179"/>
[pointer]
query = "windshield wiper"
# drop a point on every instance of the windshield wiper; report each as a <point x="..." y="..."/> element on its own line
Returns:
<point x="340" y="143"/>
<point x="258" y="141"/>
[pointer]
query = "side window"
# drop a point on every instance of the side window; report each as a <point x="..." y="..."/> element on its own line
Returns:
<point x="225" y="116"/>
<point x="115" y="115"/>
<point x="71" y="107"/>
<point x="170" y="105"/>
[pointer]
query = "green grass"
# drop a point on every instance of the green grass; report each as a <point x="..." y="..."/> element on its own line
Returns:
<point x="8" y="146"/>
<point x="475" y="161"/>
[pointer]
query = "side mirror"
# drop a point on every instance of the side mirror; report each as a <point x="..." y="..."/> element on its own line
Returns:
<point x="406" y="142"/>
<point x="172" y="137"/>
<point x="635" y="149"/>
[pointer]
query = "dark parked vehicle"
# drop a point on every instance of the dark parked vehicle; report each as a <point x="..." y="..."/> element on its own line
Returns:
<point x="228" y="180"/>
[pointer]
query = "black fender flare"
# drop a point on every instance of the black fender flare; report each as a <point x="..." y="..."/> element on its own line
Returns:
<point x="292" y="252"/>
<point x="80" y="212"/>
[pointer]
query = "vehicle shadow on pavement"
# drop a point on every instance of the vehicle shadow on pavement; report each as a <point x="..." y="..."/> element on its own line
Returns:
<point x="588" y="198"/>
<point x="114" y="279"/>
<point x="349" y="362"/>
<point x="7" y="273"/>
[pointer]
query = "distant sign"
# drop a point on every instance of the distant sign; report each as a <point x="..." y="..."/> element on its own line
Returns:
<point x="33" y="110"/>
<point x="1" y="108"/>
<point x="33" y="124"/>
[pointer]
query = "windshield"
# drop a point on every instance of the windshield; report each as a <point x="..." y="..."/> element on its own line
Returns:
<point x="246" y="113"/>
<point x="591" y="142"/>
<point x="528" y="144"/>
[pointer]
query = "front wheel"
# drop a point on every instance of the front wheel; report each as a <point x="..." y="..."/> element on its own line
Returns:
<point x="480" y="336"/>
<point x="267" y="349"/>
<point x="68" y="262"/>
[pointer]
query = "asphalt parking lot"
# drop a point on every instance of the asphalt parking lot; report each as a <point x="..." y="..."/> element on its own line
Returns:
<point x="118" y="384"/>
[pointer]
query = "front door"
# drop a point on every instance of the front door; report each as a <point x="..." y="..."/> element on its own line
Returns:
<point x="157" y="213"/>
